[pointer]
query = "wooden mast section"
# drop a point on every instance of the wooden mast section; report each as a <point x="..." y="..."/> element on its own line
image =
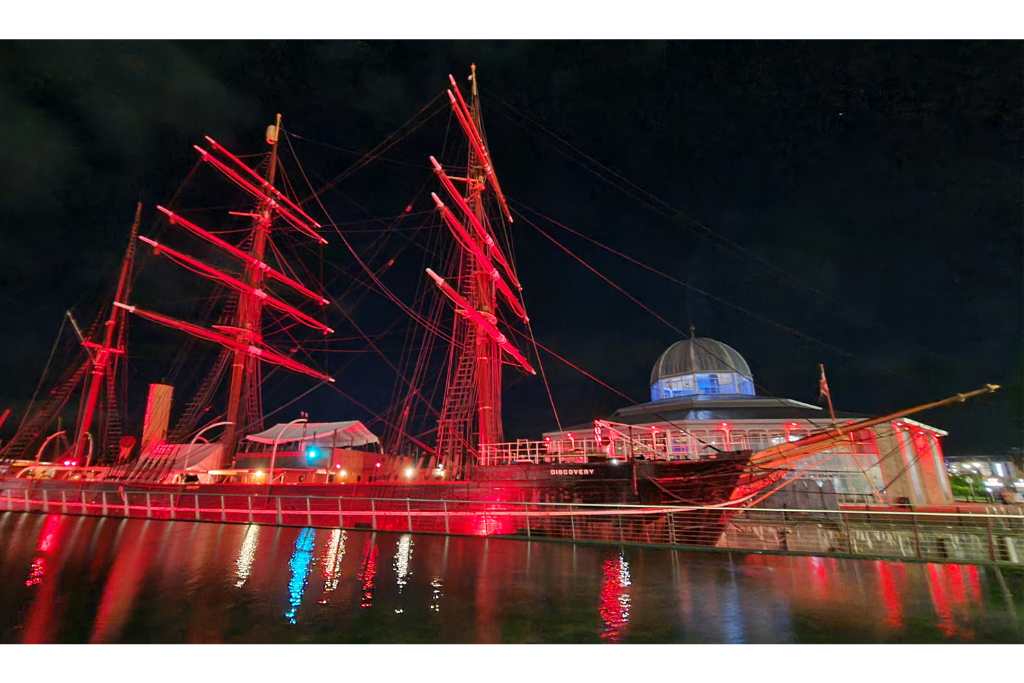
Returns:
<point x="244" y="367"/>
<point x="104" y="354"/>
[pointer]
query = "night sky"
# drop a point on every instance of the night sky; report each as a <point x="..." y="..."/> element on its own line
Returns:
<point x="855" y="203"/>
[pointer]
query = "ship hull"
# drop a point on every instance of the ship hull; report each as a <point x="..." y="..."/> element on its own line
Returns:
<point x="487" y="503"/>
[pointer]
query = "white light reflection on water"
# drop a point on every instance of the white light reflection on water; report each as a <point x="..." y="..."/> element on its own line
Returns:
<point x="368" y="573"/>
<point x="299" y="564"/>
<point x="332" y="562"/>
<point x="435" y="594"/>
<point x="403" y="554"/>
<point x="246" y="555"/>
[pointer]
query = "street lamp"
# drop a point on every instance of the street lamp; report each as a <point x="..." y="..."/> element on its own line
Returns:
<point x="277" y="440"/>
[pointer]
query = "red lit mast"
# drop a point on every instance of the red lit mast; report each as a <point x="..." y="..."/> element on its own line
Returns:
<point x="245" y="371"/>
<point x="244" y="338"/>
<point x="104" y="354"/>
<point x="471" y="410"/>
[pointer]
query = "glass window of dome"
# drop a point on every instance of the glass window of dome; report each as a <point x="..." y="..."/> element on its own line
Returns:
<point x="702" y="384"/>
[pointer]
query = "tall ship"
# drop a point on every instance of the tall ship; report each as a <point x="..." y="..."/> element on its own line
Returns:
<point x="442" y="436"/>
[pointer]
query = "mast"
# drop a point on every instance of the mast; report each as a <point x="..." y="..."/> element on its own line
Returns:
<point x="471" y="409"/>
<point x="488" y="358"/>
<point x="244" y="408"/>
<point x="104" y="354"/>
<point x="244" y="339"/>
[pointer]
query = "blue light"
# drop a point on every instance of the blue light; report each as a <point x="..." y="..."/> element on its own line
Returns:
<point x="312" y="453"/>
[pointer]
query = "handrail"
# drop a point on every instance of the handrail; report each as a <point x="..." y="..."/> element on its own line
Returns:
<point x="603" y="506"/>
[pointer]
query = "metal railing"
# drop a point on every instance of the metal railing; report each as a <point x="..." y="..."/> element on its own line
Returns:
<point x="992" y="537"/>
<point x="659" y="445"/>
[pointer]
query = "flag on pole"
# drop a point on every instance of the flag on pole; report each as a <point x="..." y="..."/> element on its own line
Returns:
<point x="825" y="393"/>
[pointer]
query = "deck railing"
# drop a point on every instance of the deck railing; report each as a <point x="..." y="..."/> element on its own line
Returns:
<point x="659" y="445"/>
<point x="995" y="536"/>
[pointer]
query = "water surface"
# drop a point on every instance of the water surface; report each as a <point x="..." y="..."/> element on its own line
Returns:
<point x="80" y="579"/>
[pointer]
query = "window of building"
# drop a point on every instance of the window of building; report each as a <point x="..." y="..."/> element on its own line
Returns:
<point x="707" y="383"/>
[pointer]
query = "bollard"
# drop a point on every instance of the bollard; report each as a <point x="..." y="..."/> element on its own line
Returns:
<point x="26" y="500"/>
<point x="46" y="502"/>
<point x="63" y="502"/>
<point x="528" y="522"/>
<point x="195" y="498"/>
<point x="444" y="507"/>
<point x="125" y="501"/>
<point x="277" y="502"/>
<point x="408" y="514"/>
<point x="103" y="497"/>
<point x="309" y="514"/>
<point x="671" y="529"/>
<point x="620" y="528"/>
<point x="149" y="505"/>
<point x="373" y="514"/>
<point x="572" y="523"/>
<point x="82" y="510"/>
<point x="248" y="502"/>
<point x="341" y="517"/>
<point x="222" y="512"/>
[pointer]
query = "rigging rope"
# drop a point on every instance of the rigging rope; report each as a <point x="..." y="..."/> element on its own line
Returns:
<point x="684" y="283"/>
<point x="46" y="370"/>
<point x="765" y="392"/>
<point x="652" y="201"/>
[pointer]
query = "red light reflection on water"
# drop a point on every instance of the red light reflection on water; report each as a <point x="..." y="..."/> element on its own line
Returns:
<point x="615" y="599"/>
<point x="49" y="541"/>
<point x="41" y="619"/>
<point x="36" y="571"/>
<point x="367" y="575"/>
<point x="940" y="601"/>
<point x="949" y="597"/>
<point x="332" y="563"/>
<point x="124" y="580"/>
<point x="891" y="592"/>
<point x="955" y="580"/>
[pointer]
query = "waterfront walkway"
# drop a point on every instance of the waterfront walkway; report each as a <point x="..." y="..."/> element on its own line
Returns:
<point x="995" y="536"/>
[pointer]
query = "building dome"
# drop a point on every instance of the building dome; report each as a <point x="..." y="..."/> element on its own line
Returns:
<point x="700" y="366"/>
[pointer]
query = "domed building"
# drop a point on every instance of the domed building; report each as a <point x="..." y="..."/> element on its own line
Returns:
<point x="700" y="366"/>
<point x="704" y="400"/>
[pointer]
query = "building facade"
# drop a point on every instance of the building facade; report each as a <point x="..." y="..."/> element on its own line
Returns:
<point x="704" y="400"/>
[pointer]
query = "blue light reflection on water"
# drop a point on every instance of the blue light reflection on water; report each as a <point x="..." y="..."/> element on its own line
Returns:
<point x="299" y="564"/>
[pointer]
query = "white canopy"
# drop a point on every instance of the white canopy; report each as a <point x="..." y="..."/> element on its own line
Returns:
<point x="347" y="433"/>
